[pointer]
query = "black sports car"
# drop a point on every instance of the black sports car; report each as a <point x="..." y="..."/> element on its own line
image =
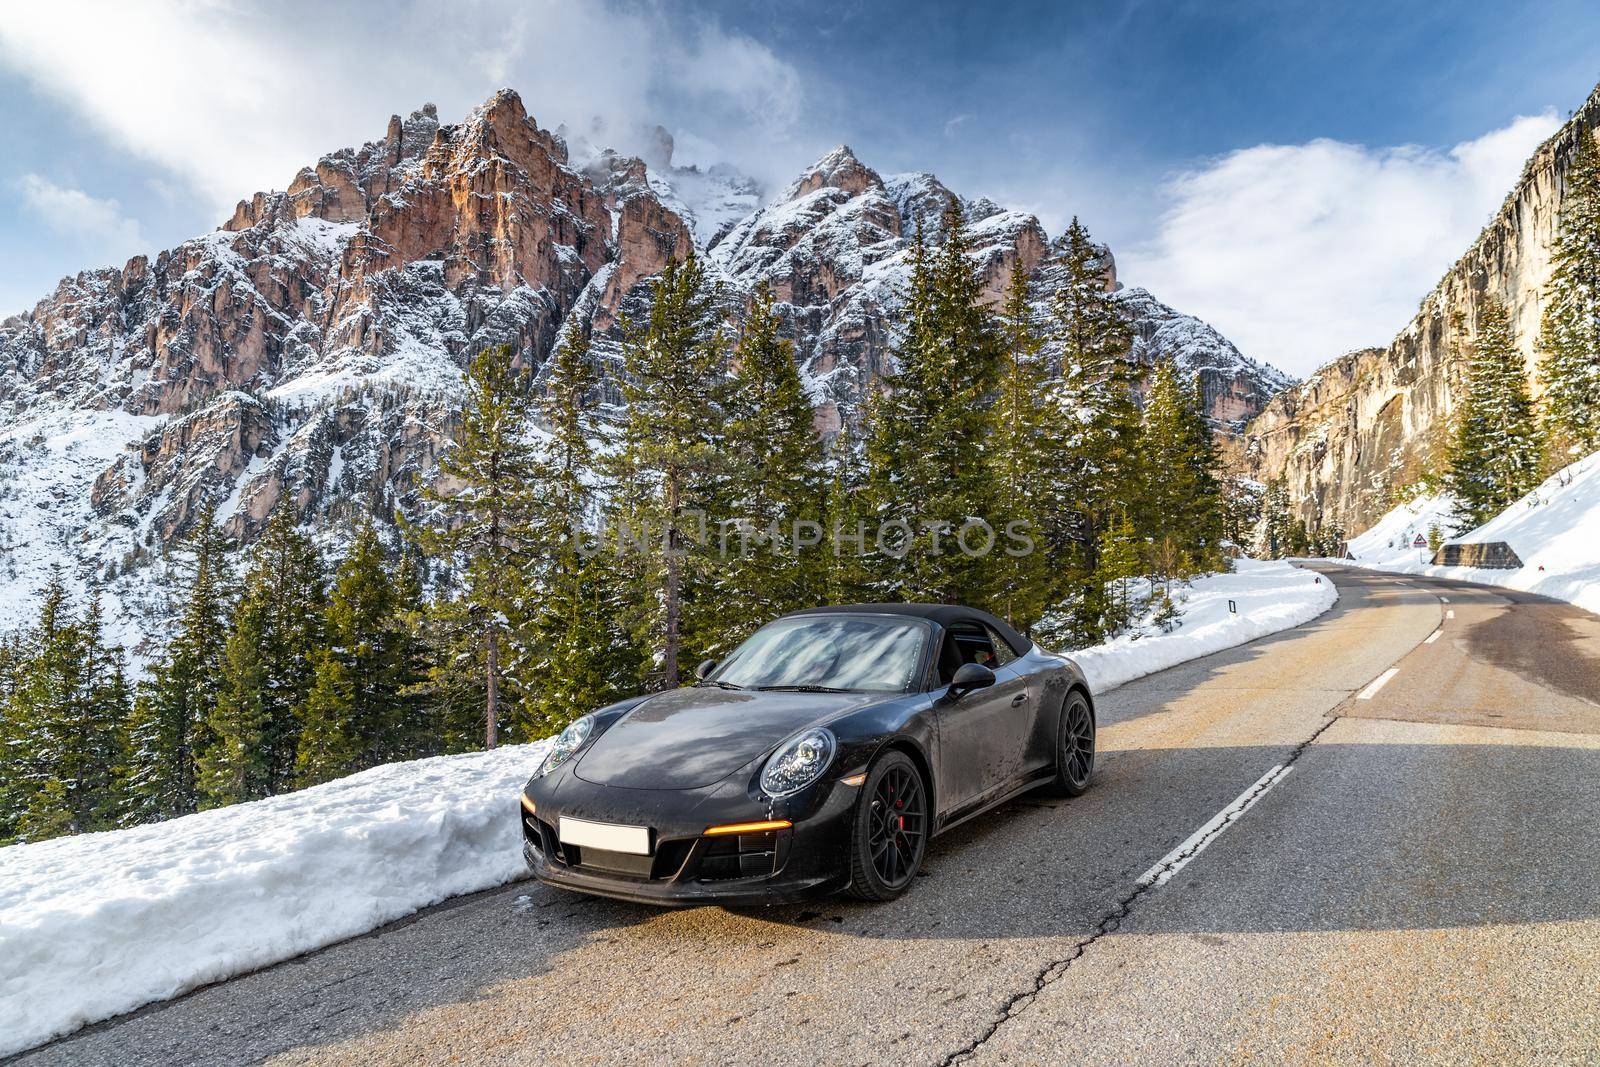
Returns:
<point x="820" y="756"/>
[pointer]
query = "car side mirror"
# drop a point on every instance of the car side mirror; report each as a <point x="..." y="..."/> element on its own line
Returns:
<point x="970" y="676"/>
<point x="704" y="670"/>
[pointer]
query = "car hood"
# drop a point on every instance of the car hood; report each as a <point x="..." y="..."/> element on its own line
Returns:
<point x="687" y="738"/>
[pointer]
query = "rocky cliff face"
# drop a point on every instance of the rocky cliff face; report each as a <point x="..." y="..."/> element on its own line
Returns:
<point x="313" y="345"/>
<point x="1356" y="434"/>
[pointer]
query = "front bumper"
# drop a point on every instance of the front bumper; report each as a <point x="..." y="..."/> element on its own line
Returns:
<point x="686" y="867"/>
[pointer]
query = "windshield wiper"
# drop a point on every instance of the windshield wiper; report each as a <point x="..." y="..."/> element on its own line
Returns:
<point x="719" y="685"/>
<point x="802" y="689"/>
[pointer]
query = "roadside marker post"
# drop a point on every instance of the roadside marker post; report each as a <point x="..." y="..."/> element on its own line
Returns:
<point x="1233" y="609"/>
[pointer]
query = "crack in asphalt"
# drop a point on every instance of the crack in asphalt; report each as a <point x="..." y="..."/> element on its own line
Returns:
<point x="1053" y="971"/>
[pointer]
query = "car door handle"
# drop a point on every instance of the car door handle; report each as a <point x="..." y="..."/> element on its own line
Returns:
<point x="1019" y="699"/>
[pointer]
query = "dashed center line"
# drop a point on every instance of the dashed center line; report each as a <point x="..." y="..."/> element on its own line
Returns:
<point x="1377" y="683"/>
<point x="1434" y="636"/>
<point x="1450" y="614"/>
<point x="1197" y="842"/>
<point x="1444" y="600"/>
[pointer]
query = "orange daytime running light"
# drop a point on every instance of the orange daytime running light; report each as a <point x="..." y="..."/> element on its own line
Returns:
<point x="527" y="805"/>
<point x="748" y="827"/>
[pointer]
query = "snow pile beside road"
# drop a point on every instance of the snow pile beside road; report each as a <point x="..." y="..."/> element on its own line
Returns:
<point x="99" y="924"/>
<point x="1270" y="595"/>
<point x="1554" y="530"/>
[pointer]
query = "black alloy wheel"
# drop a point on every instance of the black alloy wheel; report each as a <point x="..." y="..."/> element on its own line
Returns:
<point x="891" y="830"/>
<point x="1075" y="746"/>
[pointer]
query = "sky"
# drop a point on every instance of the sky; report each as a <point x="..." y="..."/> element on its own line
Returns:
<point x="1297" y="174"/>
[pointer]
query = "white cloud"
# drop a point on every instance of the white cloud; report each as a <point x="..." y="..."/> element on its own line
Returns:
<point x="97" y="224"/>
<point x="1301" y="252"/>
<point x="232" y="96"/>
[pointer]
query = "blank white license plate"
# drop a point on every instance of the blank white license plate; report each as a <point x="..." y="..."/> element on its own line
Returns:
<point x="585" y="834"/>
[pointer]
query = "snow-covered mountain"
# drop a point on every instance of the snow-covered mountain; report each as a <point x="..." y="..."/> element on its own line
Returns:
<point x="313" y="345"/>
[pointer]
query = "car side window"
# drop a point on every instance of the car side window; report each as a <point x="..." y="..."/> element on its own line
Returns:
<point x="966" y="642"/>
<point x="1002" y="651"/>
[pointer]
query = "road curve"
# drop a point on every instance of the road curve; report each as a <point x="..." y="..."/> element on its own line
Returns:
<point x="1351" y="841"/>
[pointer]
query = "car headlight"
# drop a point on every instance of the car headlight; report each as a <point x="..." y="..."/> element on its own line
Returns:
<point x="567" y="742"/>
<point x="800" y="761"/>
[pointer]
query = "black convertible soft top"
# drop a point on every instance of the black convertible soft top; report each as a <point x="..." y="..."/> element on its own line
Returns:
<point x="943" y="614"/>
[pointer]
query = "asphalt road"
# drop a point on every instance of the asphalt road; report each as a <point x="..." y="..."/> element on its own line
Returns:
<point x="1406" y="871"/>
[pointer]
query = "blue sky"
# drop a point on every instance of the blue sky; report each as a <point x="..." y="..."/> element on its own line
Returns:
<point x="1297" y="173"/>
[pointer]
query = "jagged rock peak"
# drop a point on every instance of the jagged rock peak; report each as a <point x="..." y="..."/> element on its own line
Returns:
<point x="658" y="152"/>
<point x="838" y="169"/>
<point x="504" y="104"/>
<point x="409" y="138"/>
<point x="501" y="125"/>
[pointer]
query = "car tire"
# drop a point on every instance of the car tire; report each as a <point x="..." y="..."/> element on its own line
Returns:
<point x="1075" y="745"/>
<point x="890" y="830"/>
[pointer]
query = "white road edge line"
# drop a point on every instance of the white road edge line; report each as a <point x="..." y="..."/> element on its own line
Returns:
<point x="1434" y="636"/>
<point x="1196" y="843"/>
<point x="1444" y="600"/>
<point x="1377" y="683"/>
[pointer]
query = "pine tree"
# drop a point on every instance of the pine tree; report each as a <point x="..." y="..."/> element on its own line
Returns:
<point x="1118" y="568"/>
<point x="1243" y="506"/>
<point x="928" y="475"/>
<point x="13" y="736"/>
<point x="1298" y="540"/>
<point x="1095" y="465"/>
<point x="582" y="656"/>
<point x="64" y="717"/>
<point x="1182" y="501"/>
<point x="415" y="732"/>
<point x="1497" y="452"/>
<point x="1276" y="520"/>
<point x="267" y="667"/>
<point x="449" y="691"/>
<point x="233" y="766"/>
<point x="775" y="480"/>
<point x="847" y="575"/>
<point x="1024" y="426"/>
<point x="168" y="728"/>
<point x="43" y="679"/>
<point x="97" y="797"/>
<point x="669" y="462"/>
<point x="1569" y="329"/>
<point x="357" y="713"/>
<point x="481" y="520"/>
<point x="331" y="739"/>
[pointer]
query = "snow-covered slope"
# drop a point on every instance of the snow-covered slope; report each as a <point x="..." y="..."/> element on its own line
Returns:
<point x="1392" y="541"/>
<point x="98" y="924"/>
<point x="1555" y="531"/>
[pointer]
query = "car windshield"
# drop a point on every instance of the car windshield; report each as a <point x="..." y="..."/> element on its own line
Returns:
<point x="828" y="652"/>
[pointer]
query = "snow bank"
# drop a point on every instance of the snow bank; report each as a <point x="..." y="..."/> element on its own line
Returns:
<point x="1554" y="530"/>
<point x="99" y="924"/>
<point x="1270" y="596"/>
<point x="95" y="925"/>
